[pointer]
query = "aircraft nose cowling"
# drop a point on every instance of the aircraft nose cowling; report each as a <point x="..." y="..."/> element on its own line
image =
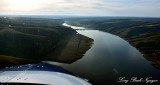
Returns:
<point x="42" y="73"/>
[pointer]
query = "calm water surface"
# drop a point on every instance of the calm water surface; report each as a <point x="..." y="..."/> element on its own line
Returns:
<point x="109" y="58"/>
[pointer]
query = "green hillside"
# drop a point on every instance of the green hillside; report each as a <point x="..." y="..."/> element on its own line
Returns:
<point x="37" y="39"/>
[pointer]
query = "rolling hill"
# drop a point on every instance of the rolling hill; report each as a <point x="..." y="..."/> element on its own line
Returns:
<point x="39" y="39"/>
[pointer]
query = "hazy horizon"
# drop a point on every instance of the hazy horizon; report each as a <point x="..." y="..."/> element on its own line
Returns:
<point x="120" y="8"/>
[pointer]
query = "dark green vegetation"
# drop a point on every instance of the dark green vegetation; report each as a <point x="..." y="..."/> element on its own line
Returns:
<point x="33" y="39"/>
<point x="143" y="33"/>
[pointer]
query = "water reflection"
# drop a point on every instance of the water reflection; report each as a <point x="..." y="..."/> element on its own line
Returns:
<point x="109" y="58"/>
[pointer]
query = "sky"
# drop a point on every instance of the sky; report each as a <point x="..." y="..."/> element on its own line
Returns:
<point x="139" y="8"/>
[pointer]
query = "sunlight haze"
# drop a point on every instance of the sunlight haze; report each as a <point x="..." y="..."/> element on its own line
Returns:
<point x="149" y="8"/>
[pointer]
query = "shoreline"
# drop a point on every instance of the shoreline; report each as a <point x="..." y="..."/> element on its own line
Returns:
<point x="152" y="53"/>
<point x="74" y="48"/>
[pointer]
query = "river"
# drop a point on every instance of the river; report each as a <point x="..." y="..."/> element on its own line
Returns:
<point x="109" y="58"/>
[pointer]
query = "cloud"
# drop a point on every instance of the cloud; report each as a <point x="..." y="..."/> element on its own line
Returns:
<point x="87" y="7"/>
